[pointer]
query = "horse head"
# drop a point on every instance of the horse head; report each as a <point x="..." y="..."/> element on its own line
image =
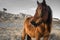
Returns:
<point x="41" y="14"/>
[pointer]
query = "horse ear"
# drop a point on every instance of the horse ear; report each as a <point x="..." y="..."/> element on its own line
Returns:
<point x="44" y="2"/>
<point x="38" y="3"/>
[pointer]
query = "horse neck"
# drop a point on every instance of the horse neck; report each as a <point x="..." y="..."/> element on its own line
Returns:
<point x="35" y="15"/>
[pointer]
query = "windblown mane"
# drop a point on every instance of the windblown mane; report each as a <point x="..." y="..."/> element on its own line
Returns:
<point x="49" y="20"/>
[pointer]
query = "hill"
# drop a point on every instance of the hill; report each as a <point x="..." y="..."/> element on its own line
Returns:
<point x="11" y="26"/>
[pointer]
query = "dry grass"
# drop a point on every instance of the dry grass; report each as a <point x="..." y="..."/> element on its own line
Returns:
<point x="15" y="34"/>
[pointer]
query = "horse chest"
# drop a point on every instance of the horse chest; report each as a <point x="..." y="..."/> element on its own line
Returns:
<point x="33" y="32"/>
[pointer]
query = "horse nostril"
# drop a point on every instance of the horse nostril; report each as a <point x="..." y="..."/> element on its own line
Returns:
<point x="33" y="23"/>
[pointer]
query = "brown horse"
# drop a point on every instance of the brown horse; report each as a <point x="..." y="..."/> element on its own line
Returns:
<point x="39" y="25"/>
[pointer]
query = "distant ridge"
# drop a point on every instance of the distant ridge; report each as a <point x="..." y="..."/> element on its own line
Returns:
<point x="4" y="16"/>
<point x="17" y="20"/>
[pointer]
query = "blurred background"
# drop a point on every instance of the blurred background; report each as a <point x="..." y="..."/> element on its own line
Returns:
<point x="14" y="12"/>
<point x="29" y="6"/>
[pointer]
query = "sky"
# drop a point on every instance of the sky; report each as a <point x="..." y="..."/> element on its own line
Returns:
<point x="29" y="6"/>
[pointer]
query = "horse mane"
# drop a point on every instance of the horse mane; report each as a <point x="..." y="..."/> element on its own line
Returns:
<point x="49" y="20"/>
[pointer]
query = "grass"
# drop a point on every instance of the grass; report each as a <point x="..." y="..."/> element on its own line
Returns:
<point x="15" y="34"/>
